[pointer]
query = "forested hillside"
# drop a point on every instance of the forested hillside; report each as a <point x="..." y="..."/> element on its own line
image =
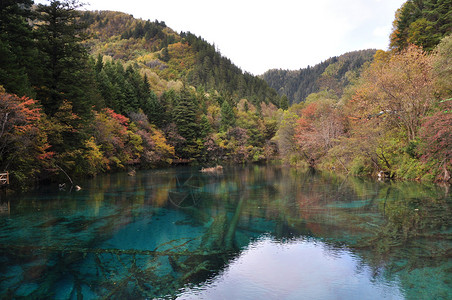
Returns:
<point x="393" y="120"/>
<point x="165" y="56"/>
<point x="422" y="23"/>
<point x="89" y="92"/>
<point x="334" y="74"/>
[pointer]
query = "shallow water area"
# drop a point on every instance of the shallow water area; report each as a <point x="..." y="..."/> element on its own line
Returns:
<point x="253" y="232"/>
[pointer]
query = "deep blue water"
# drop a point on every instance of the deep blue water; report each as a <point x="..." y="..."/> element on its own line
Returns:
<point x="254" y="232"/>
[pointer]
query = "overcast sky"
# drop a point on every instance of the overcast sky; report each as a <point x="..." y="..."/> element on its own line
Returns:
<point x="258" y="35"/>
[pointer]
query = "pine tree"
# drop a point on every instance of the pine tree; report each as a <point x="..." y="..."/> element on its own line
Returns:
<point x="17" y="49"/>
<point x="421" y="22"/>
<point x="165" y="55"/>
<point x="66" y="73"/>
<point x="227" y="116"/>
<point x="184" y="115"/>
<point x="284" y="103"/>
<point x="185" y="118"/>
<point x="154" y="110"/>
<point x="205" y="126"/>
<point x="99" y="63"/>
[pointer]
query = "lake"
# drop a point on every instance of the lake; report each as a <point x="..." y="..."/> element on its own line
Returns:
<point x="252" y="232"/>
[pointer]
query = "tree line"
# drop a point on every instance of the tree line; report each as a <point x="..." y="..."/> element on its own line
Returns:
<point x="64" y="110"/>
<point x="89" y="92"/>
<point x="394" y="119"/>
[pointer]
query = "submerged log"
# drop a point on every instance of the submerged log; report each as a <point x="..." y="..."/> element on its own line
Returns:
<point x="230" y="235"/>
<point x="214" y="238"/>
<point x="215" y="170"/>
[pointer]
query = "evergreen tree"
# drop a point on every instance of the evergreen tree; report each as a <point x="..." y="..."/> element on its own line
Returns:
<point x="99" y="63"/>
<point x="205" y="127"/>
<point x="284" y="103"/>
<point x="154" y="110"/>
<point x="66" y="73"/>
<point x="227" y="116"/>
<point x="17" y="49"/>
<point x="421" y="22"/>
<point x="185" y="118"/>
<point x="165" y="55"/>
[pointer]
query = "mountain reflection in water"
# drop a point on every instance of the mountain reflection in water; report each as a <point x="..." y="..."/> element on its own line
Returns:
<point x="251" y="232"/>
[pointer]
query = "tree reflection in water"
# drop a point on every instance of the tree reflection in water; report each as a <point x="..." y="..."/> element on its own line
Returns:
<point x="151" y="235"/>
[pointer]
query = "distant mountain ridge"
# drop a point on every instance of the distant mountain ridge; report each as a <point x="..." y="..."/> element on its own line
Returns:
<point x="334" y="74"/>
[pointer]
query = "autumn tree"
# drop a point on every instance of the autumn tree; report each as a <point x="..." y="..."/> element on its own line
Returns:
<point x="442" y="67"/>
<point x="317" y="129"/>
<point x="117" y="138"/>
<point x="156" y="150"/>
<point x="436" y="138"/>
<point x="238" y="148"/>
<point x="285" y="137"/>
<point x="24" y="148"/>
<point x="399" y="90"/>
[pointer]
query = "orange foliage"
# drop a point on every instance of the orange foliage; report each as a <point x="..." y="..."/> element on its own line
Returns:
<point x="23" y="139"/>
<point x="317" y="129"/>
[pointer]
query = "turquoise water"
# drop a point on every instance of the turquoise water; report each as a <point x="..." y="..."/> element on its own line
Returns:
<point x="255" y="232"/>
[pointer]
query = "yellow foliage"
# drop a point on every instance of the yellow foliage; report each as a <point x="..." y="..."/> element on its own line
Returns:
<point x="161" y="144"/>
<point x="93" y="157"/>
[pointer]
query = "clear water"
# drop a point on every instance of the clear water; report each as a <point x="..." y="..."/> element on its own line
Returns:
<point x="256" y="232"/>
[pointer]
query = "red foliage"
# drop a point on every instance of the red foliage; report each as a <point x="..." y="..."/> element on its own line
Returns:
<point x="436" y="135"/>
<point x="22" y="134"/>
<point x="123" y="120"/>
<point x="317" y="128"/>
<point x="18" y="114"/>
<point x="310" y="111"/>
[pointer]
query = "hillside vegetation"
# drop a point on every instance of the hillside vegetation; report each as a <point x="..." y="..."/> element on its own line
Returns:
<point x="422" y="23"/>
<point x="167" y="57"/>
<point x="334" y="74"/>
<point x="83" y="93"/>
<point x="89" y="92"/>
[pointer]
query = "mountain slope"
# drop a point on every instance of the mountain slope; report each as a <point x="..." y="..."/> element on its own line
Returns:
<point x="167" y="57"/>
<point x="333" y="74"/>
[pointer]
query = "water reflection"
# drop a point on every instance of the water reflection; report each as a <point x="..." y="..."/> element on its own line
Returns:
<point x="296" y="269"/>
<point x="214" y="235"/>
